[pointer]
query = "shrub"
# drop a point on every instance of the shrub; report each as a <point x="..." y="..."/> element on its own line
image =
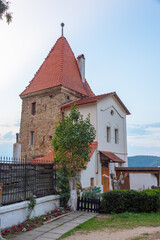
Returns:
<point x="153" y="192"/>
<point x="92" y="194"/>
<point x="119" y="201"/>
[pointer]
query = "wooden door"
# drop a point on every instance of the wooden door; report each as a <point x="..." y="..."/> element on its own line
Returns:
<point x="105" y="181"/>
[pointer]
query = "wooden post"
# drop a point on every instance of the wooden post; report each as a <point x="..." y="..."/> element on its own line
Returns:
<point x="0" y="191"/>
<point x="1" y="238"/>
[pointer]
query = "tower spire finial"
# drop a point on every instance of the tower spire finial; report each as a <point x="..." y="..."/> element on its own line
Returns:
<point x="62" y="25"/>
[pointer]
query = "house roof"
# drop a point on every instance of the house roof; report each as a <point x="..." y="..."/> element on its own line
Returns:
<point x="137" y="169"/>
<point x="49" y="158"/>
<point x="60" y="68"/>
<point x="93" y="99"/>
<point x="112" y="157"/>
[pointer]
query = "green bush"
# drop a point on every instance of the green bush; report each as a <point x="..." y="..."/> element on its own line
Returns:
<point x="119" y="201"/>
<point x="91" y="194"/>
<point x="153" y="192"/>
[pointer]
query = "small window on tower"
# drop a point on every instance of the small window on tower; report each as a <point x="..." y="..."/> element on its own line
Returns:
<point x="32" y="138"/>
<point x="33" y="108"/>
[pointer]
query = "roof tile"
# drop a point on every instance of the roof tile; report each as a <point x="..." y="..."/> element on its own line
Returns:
<point x="59" y="68"/>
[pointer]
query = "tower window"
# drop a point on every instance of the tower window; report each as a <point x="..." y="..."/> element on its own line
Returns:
<point x="33" y="110"/>
<point x="32" y="138"/>
<point x="108" y="134"/>
<point x="116" y="136"/>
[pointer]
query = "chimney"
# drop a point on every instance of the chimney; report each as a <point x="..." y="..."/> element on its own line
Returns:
<point x="81" y="65"/>
<point x="17" y="137"/>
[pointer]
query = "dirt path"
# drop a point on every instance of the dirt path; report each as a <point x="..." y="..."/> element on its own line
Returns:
<point x="114" y="235"/>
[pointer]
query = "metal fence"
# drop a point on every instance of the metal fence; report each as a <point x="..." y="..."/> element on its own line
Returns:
<point x="21" y="179"/>
<point x="89" y="205"/>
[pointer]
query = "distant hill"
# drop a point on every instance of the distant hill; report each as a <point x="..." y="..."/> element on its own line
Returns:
<point x="143" y="161"/>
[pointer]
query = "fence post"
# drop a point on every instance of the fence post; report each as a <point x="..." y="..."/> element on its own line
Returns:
<point x="55" y="176"/>
<point x="1" y="238"/>
<point x="25" y="178"/>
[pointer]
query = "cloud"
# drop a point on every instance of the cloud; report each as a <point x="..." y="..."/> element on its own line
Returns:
<point x="144" y="139"/>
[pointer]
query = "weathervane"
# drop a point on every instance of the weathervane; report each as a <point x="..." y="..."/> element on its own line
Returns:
<point x="62" y="25"/>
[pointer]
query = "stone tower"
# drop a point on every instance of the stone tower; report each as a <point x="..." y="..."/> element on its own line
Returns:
<point x="60" y="79"/>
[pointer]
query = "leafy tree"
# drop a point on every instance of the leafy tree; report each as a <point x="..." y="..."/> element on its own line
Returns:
<point x="71" y="141"/>
<point x="4" y="6"/>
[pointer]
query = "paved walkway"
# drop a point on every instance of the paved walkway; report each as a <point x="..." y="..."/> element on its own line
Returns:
<point x="57" y="228"/>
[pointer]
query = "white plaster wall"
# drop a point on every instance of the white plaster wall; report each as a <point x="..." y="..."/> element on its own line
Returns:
<point x="17" y="213"/>
<point x="140" y="181"/>
<point x="91" y="172"/>
<point x="17" y="150"/>
<point x="117" y="120"/>
<point x="84" y="110"/>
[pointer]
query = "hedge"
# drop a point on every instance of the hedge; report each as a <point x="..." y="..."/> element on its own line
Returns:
<point x="119" y="201"/>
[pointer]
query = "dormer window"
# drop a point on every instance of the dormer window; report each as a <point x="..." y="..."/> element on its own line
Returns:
<point x="33" y="108"/>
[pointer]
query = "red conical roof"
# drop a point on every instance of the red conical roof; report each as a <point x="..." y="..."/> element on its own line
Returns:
<point x="59" y="68"/>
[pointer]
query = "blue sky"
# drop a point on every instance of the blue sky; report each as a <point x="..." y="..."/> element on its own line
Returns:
<point x="121" y="43"/>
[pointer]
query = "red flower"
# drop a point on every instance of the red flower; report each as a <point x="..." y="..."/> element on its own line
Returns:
<point x="4" y="233"/>
<point x="15" y="229"/>
<point x="46" y="217"/>
<point x="19" y="225"/>
<point x="8" y="230"/>
<point x="29" y="228"/>
<point x="35" y="225"/>
<point x="37" y="222"/>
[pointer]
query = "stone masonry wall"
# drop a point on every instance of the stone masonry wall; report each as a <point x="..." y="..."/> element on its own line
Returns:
<point x="48" y="111"/>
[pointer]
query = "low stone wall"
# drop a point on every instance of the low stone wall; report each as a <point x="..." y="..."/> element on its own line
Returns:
<point x="17" y="213"/>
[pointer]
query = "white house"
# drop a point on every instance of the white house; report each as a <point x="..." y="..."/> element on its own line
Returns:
<point x="108" y="116"/>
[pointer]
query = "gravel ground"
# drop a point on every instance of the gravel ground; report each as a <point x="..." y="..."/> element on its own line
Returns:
<point x="114" y="235"/>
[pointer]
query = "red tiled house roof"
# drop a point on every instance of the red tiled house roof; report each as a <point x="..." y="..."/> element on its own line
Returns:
<point x="112" y="156"/>
<point x="49" y="158"/>
<point x="60" y="68"/>
<point x="95" y="99"/>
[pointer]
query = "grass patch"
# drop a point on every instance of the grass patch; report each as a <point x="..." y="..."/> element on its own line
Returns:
<point x="117" y="221"/>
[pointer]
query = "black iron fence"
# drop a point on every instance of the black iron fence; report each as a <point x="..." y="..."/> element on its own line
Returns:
<point x="22" y="178"/>
<point x="89" y="205"/>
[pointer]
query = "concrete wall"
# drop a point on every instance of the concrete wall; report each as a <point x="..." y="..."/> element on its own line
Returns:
<point x="17" y="213"/>
<point x="140" y="181"/>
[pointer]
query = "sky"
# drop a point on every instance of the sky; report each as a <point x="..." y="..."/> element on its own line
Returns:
<point x="121" y="43"/>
